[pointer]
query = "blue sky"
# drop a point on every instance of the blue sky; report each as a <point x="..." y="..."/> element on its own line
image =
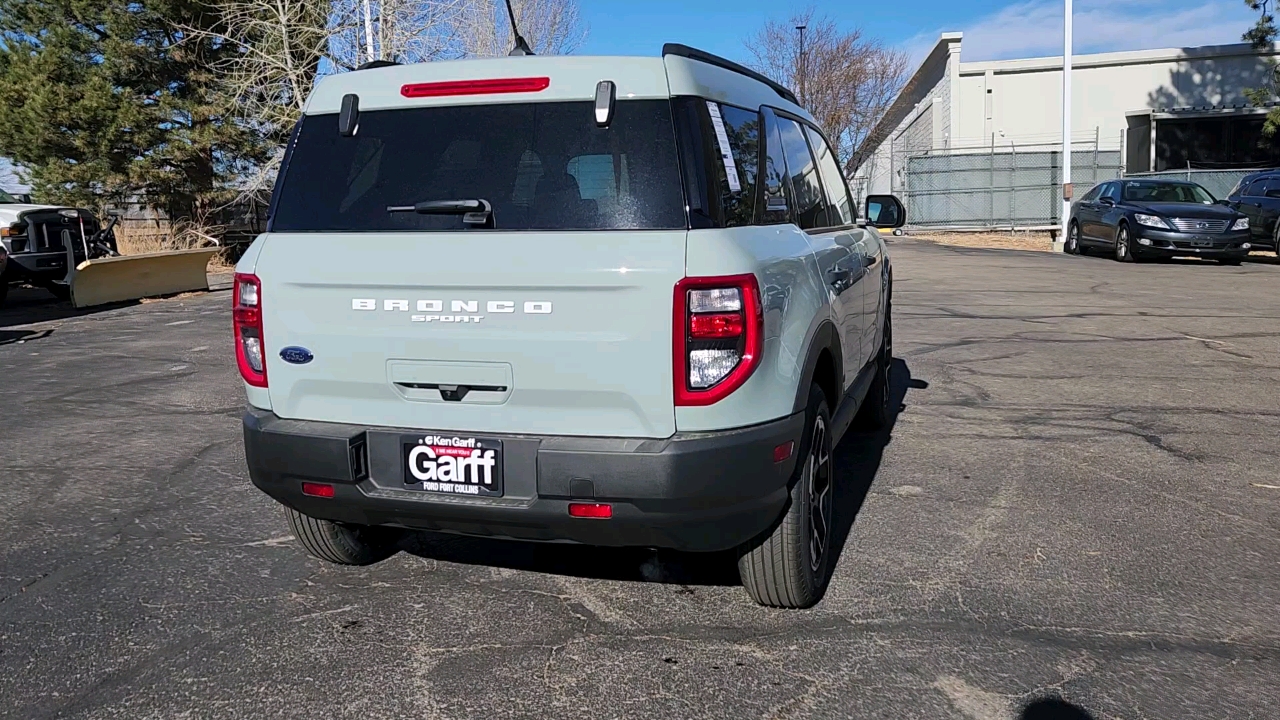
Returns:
<point x="992" y="30"/>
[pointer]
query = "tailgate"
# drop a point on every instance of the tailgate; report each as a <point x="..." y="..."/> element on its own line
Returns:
<point x="542" y="333"/>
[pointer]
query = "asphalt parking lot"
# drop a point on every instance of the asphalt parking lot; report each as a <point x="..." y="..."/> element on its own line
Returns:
<point x="1080" y="496"/>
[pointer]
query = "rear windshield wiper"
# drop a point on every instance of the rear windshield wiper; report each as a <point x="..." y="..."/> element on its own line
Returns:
<point x="473" y="212"/>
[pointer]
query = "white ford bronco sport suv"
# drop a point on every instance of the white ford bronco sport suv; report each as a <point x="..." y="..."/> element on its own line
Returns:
<point x="614" y="301"/>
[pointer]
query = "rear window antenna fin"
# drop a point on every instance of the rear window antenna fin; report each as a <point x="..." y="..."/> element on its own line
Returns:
<point x="522" y="47"/>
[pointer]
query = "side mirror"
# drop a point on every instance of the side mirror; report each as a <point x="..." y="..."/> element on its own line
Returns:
<point x="885" y="211"/>
<point x="24" y="198"/>
<point x="1107" y="201"/>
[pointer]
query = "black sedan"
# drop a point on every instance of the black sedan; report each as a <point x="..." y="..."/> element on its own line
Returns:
<point x="1138" y="219"/>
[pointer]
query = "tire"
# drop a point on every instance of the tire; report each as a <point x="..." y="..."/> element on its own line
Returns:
<point x="1124" y="244"/>
<point x="340" y="543"/>
<point x="875" y="412"/>
<point x="1072" y="246"/>
<point x="59" y="290"/>
<point x="789" y="567"/>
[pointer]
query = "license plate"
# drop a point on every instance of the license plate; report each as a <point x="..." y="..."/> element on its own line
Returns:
<point x="1202" y="243"/>
<point x="453" y="464"/>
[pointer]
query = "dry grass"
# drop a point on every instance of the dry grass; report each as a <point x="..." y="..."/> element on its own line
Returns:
<point x="1028" y="240"/>
<point x="146" y="237"/>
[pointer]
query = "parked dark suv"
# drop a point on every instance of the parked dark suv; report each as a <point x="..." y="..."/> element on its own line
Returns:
<point x="1139" y="219"/>
<point x="1257" y="196"/>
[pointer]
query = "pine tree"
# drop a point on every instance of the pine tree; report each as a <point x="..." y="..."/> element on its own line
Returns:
<point x="1262" y="36"/>
<point x="108" y="99"/>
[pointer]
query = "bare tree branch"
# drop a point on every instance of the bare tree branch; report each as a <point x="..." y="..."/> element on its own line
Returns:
<point x="844" y="80"/>
<point x="284" y="46"/>
<point x="552" y="27"/>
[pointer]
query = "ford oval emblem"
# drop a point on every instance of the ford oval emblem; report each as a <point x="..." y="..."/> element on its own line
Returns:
<point x="296" y="355"/>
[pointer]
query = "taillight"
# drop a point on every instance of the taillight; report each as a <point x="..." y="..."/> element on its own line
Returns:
<point x="246" y="313"/>
<point x="718" y="333"/>
<point x="476" y="87"/>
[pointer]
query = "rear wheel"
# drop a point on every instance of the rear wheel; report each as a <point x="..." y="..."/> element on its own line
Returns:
<point x="341" y="543"/>
<point x="789" y="567"/>
<point x="1124" y="246"/>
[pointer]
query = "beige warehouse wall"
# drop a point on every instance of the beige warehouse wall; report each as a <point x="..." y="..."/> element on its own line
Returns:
<point x="1026" y="103"/>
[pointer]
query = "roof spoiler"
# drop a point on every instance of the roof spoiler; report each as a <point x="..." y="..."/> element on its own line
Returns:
<point x="703" y="56"/>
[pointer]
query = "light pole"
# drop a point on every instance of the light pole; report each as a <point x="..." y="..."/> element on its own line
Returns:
<point x="369" y="32"/>
<point x="804" y="62"/>
<point x="1066" y="127"/>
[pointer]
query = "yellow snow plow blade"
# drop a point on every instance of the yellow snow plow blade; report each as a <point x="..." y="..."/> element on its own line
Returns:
<point x="130" y="277"/>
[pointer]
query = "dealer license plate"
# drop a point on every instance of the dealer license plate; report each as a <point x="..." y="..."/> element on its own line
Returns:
<point x="453" y="464"/>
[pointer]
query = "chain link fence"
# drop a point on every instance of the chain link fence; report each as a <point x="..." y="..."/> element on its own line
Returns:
<point x="997" y="187"/>
<point x="1218" y="182"/>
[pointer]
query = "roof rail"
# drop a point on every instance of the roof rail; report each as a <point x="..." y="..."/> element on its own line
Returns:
<point x="702" y="56"/>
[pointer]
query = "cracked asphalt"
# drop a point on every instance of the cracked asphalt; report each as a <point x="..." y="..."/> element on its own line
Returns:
<point x="1079" y="497"/>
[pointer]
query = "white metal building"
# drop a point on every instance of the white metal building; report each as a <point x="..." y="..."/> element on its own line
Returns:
<point x="1159" y="109"/>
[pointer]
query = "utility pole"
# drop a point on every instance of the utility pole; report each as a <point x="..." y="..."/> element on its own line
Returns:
<point x="804" y="63"/>
<point x="369" y="32"/>
<point x="1066" y="127"/>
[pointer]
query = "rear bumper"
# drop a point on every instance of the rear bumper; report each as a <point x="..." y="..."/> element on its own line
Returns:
<point x="697" y="492"/>
<point x="1171" y="244"/>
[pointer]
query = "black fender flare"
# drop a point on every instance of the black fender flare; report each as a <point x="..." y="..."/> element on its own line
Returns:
<point x="824" y="337"/>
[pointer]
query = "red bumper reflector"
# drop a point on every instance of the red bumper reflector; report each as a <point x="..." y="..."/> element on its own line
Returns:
<point x="783" y="451"/>
<point x="715" y="325"/>
<point x="476" y="87"/>
<point x="600" y="511"/>
<point x="319" y="490"/>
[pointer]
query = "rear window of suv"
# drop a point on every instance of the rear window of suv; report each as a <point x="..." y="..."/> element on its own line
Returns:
<point x="542" y="166"/>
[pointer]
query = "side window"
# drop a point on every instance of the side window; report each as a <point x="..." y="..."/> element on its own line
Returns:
<point x="736" y="136"/>
<point x="777" y="191"/>
<point x="1256" y="188"/>
<point x="1111" y="190"/>
<point x="809" y="206"/>
<point x="1092" y="195"/>
<point x="839" y="206"/>
<point x="1273" y="187"/>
